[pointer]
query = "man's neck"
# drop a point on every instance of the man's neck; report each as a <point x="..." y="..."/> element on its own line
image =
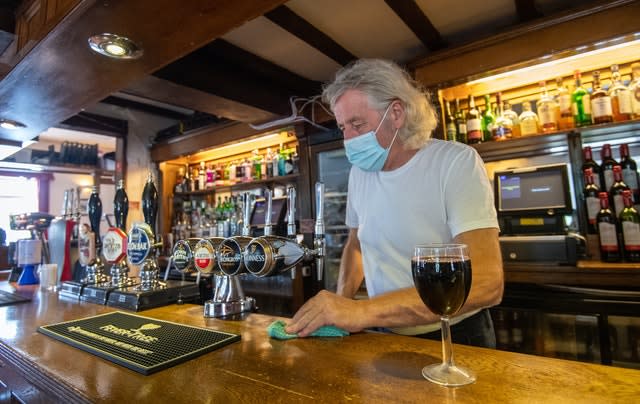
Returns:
<point x="398" y="156"/>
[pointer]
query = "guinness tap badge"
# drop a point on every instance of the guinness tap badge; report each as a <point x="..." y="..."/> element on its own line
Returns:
<point x="255" y="257"/>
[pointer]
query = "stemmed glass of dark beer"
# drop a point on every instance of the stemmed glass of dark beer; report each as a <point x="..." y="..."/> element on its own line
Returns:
<point x="442" y="276"/>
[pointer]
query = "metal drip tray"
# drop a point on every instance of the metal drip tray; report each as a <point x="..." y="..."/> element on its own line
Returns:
<point x="142" y="344"/>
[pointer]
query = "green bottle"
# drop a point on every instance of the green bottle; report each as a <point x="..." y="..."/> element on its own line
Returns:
<point x="488" y="119"/>
<point x="580" y="103"/>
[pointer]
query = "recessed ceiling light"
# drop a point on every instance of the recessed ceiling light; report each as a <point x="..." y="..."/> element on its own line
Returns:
<point x="115" y="46"/>
<point x="11" y="124"/>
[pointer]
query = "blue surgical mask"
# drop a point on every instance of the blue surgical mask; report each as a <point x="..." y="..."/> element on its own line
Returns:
<point x="365" y="152"/>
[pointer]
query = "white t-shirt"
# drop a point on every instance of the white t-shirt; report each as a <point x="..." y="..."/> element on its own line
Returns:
<point x="441" y="192"/>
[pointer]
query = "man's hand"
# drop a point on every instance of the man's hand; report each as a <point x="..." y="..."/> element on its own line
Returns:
<point x="326" y="308"/>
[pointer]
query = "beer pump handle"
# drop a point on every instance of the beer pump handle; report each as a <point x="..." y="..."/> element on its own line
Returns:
<point x="121" y="206"/>
<point x="150" y="203"/>
<point x="318" y="238"/>
<point x="267" y="216"/>
<point x="291" y="212"/>
<point x="246" y="211"/>
<point x="94" y="207"/>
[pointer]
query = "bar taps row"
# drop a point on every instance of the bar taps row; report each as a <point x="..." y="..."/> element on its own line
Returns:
<point x="262" y="256"/>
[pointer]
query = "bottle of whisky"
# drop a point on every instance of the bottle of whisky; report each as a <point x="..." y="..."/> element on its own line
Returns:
<point x="629" y="220"/>
<point x="609" y="246"/>
<point x="563" y="99"/>
<point x="580" y="103"/>
<point x="620" y="97"/>
<point x="528" y="120"/>
<point x="474" y="127"/>
<point x="547" y="110"/>
<point x="602" y="111"/>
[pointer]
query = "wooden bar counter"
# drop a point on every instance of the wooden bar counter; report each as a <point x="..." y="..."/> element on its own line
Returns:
<point x="364" y="367"/>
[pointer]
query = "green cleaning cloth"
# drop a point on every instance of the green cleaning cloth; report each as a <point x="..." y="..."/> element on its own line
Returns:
<point x="276" y="330"/>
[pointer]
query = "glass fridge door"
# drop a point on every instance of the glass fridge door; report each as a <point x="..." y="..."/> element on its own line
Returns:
<point x="332" y="168"/>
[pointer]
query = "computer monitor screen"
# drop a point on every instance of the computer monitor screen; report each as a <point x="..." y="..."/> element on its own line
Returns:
<point x="260" y="207"/>
<point x="534" y="189"/>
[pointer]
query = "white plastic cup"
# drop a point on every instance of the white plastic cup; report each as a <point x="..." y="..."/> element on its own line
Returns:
<point x="48" y="274"/>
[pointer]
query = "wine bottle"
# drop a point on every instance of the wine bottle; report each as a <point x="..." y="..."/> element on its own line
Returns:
<point x="461" y="123"/>
<point x="629" y="220"/>
<point x="609" y="246"/>
<point x="488" y="119"/>
<point x="615" y="193"/>
<point x="474" y="127"/>
<point x="450" y="123"/>
<point x="606" y="165"/>
<point x="591" y="200"/>
<point x="589" y="162"/>
<point x="630" y="173"/>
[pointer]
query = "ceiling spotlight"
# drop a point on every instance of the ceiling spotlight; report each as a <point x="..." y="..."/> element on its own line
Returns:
<point x="115" y="46"/>
<point x="11" y="124"/>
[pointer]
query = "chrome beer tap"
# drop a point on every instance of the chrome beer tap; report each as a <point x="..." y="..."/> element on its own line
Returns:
<point x="270" y="255"/>
<point x="229" y="298"/>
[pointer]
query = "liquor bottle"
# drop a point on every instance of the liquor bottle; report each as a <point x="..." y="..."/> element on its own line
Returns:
<point x="547" y="110"/>
<point x="474" y="126"/>
<point x="282" y="161"/>
<point x="606" y="166"/>
<point x="461" y="123"/>
<point x="450" y="123"/>
<point x="609" y="246"/>
<point x="630" y="173"/>
<point x="210" y="181"/>
<point x="580" y="103"/>
<point x="634" y="89"/>
<point x="186" y="185"/>
<point x="202" y="176"/>
<point x="601" y="110"/>
<point x="256" y="160"/>
<point x="179" y="181"/>
<point x="616" y="190"/>
<point x="591" y="200"/>
<point x="629" y="220"/>
<point x="563" y="99"/>
<point x="269" y="163"/>
<point x="590" y="163"/>
<point x="528" y="120"/>
<point x="488" y="119"/>
<point x="233" y="171"/>
<point x="511" y="114"/>
<point x="295" y="160"/>
<point x="503" y="127"/>
<point x="620" y="97"/>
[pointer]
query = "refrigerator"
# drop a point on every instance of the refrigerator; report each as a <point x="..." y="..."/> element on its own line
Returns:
<point x="330" y="165"/>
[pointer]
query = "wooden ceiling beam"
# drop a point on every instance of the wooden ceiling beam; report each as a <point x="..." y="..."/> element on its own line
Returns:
<point x="301" y="28"/>
<point x="45" y="88"/>
<point x="411" y="14"/>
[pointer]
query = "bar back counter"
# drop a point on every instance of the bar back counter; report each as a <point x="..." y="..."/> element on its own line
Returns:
<point x="363" y="367"/>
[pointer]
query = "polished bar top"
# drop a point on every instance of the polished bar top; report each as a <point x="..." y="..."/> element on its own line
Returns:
<point x="363" y="367"/>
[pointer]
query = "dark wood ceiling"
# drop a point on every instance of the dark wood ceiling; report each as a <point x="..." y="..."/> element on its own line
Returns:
<point x="202" y="55"/>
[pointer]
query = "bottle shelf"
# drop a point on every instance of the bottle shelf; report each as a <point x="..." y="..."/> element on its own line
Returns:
<point x="557" y="142"/>
<point x="280" y="180"/>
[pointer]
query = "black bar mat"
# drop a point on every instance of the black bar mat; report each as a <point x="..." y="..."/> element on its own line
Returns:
<point x="7" y="298"/>
<point x="139" y="343"/>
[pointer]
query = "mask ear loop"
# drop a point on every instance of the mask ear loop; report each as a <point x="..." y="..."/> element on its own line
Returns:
<point x="393" y="140"/>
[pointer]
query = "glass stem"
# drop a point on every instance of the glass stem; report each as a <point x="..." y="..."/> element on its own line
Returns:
<point x="447" y="352"/>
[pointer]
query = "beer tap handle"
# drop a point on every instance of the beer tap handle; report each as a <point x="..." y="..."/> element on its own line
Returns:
<point x="95" y="214"/>
<point x="150" y="203"/>
<point x="267" y="216"/>
<point x="121" y="206"/>
<point x="246" y="211"/>
<point x="318" y="238"/>
<point x="291" y="212"/>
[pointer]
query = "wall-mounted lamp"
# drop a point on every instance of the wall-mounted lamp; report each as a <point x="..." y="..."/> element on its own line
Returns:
<point x="11" y="124"/>
<point x="115" y="46"/>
